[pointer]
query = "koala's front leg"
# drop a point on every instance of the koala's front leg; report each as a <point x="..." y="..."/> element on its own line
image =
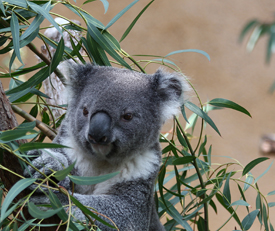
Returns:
<point x="46" y="163"/>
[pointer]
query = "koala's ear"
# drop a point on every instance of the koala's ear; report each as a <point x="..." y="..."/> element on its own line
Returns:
<point x="172" y="90"/>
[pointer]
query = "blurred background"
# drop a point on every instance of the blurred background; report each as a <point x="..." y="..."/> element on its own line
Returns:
<point x="233" y="73"/>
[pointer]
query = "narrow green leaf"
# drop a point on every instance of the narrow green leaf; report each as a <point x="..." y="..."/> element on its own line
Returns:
<point x="254" y="37"/>
<point x="7" y="29"/>
<point x="239" y="202"/>
<point x="45" y="13"/>
<point x="271" y="227"/>
<point x="253" y="163"/>
<point x="243" y="196"/>
<point x="27" y="125"/>
<point x="88" y="17"/>
<point x="85" y="180"/>
<point x="29" y="39"/>
<point x="60" y="175"/>
<point x="265" y="215"/>
<point x="184" y="114"/>
<point x="31" y="146"/>
<point x="201" y="224"/>
<point x="246" y="29"/>
<point x="181" y="138"/>
<point x="13" y="192"/>
<point x="106" y="5"/>
<point x="21" y="3"/>
<point x="201" y="114"/>
<point x="176" y="215"/>
<point x="76" y="50"/>
<point x="97" y="36"/>
<point x="247" y="222"/>
<point x="226" y="191"/>
<point x="100" y="58"/>
<point x="229" y="209"/>
<point x="2" y="8"/>
<point x="190" y="50"/>
<point x="57" y="55"/>
<point x="248" y="181"/>
<point x="184" y="160"/>
<point x="271" y="193"/>
<point x="16" y="134"/>
<point x="111" y="40"/>
<point x="120" y="14"/>
<point x="37" y="78"/>
<point x="86" y="45"/>
<point x="134" y="21"/>
<point x="34" y="25"/>
<point x="88" y="1"/>
<point x="259" y="177"/>
<point x="271" y="204"/>
<point x="56" y="204"/>
<point x="225" y="103"/>
<point x="23" y="71"/>
<point x="270" y="45"/>
<point x="15" y="35"/>
<point x="259" y="206"/>
<point x="37" y="213"/>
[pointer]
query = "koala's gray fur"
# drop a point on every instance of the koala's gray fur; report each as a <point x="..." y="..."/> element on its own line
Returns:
<point x="112" y="123"/>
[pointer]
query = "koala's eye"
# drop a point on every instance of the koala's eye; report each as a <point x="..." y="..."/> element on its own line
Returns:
<point x="85" y="111"/>
<point x="127" y="116"/>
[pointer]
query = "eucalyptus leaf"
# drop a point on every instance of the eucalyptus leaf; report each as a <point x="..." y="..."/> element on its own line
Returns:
<point x="248" y="221"/>
<point x="34" y="25"/>
<point x="106" y="5"/>
<point x="134" y="21"/>
<point x="13" y="192"/>
<point x="60" y="175"/>
<point x="85" y="180"/>
<point x="21" y="3"/>
<point x="248" y="27"/>
<point x="33" y="146"/>
<point x="225" y="103"/>
<point x="184" y="160"/>
<point x="239" y="202"/>
<point x="43" y="11"/>
<point x="41" y="214"/>
<point x="201" y="114"/>
<point x="226" y="191"/>
<point x="16" y="134"/>
<point x="98" y="37"/>
<point x="120" y="14"/>
<point x="189" y="50"/>
<point x="15" y="35"/>
<point x="252" y="164"/>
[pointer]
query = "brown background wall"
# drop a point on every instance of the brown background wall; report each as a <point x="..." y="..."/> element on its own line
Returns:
<point x="232" y="73"/>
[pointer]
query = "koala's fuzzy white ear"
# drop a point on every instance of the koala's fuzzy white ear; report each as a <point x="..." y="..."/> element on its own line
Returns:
<point x="172" y="89"/>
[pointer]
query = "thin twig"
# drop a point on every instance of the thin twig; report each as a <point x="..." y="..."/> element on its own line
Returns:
<point x="40" y="125"/>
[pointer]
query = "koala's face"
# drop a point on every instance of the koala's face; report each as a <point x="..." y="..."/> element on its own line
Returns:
<point x="115" y="112"/>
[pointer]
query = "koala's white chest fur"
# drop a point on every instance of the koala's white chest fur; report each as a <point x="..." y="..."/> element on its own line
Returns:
<point x="139" y="165"/>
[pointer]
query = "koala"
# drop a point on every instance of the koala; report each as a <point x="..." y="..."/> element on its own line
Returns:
<point x="112" y="124"/>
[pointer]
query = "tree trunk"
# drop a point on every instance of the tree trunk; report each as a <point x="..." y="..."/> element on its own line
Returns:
<point x="8" y="121"/>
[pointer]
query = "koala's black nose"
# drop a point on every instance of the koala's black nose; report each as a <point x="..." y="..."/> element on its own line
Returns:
<point x="100" y="128"/>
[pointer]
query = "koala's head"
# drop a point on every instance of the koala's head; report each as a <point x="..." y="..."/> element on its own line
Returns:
<point x="115" y="112"/>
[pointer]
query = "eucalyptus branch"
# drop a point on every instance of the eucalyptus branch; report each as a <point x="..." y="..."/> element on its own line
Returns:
<point x="40" y="125"/>
<point x="198" y="173"/>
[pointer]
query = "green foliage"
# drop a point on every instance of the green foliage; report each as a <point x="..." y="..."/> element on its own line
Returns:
<point x="188" y="186"/>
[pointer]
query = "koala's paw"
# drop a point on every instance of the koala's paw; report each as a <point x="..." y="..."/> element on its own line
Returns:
<point x="46" y="164"/>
